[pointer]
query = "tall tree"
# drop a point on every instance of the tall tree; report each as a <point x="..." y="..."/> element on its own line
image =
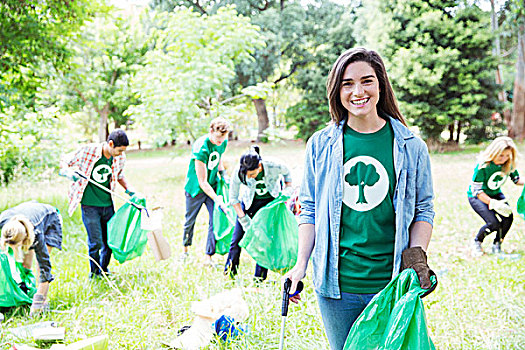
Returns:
<point x="516" y="20"/>
<point x="107" y="53"/>
<point x="440" y="63"/>
<point x="33" y="34"/>
<point x="496" y="51"/>
<point x="282" y="24"/>
<point x="328" y="34"/>
<point x="185" y="77"/>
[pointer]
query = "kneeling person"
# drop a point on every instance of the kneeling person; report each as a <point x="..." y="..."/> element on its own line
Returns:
<point x="36" y="228"/>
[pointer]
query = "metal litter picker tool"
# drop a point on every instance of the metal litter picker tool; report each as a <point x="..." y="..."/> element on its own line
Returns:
<point x="285" y="303"/>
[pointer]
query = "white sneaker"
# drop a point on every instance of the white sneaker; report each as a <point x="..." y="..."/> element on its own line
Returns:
<point x="496" y="248"/>
<point x="477" y="250"/>
<point x="184" y="256"/>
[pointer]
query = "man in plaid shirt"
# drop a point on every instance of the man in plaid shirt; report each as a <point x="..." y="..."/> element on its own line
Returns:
<point x="102" y="163"/>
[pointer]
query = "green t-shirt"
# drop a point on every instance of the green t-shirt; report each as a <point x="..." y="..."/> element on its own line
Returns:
<point x="490" y="177"/>
<point x="261" y="192"/>
<point x="367" y="234"/>
<point x="101" y="174"/>
<point x="208" y="153"/>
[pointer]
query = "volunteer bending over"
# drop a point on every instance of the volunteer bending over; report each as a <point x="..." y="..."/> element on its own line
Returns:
<point x="262" y="179"/>
<point x="201" y="183"/>
<point x="495" y="165"/>
<point x="36" y="228"/>
<point x="366" y="196"/>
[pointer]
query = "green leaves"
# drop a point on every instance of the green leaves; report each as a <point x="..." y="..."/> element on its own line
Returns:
<point x="32" y="34"/>
<point x="27" y="142"/>
<point x="438" y="55"/>
<point x="187" y="72"/>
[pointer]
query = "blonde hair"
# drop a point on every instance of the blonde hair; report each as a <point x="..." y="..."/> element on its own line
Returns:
<point x="18" y="229"/>
<point x="497" y="147"/>
<point x="220" y="124"/>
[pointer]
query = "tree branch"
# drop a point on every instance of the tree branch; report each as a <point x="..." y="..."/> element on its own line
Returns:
<point x="198" y="6"/>
<point x="265" y="7"/>
<point x="86" y="101"/>
<point x="231" y="99"/>
<point x="292" y="71"/>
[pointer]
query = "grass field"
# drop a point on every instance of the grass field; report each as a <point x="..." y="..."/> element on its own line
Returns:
<point x="479" y="303"/>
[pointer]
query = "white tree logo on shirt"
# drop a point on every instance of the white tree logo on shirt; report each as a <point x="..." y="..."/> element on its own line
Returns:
<point x="213" y="160"/>
<point x="365" y="183"/>
<point x="260" y="188"/>
<point x="101" y="173"/>
<point x="496" y="180"/>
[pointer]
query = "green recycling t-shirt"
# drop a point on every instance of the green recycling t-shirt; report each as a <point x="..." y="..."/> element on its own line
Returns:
<point x="366" y="242"/>
<point x="490" y="178"/>
<point x="208" y="153"/>
<point x="261" y="191"/>
<point x="93" y="195"/>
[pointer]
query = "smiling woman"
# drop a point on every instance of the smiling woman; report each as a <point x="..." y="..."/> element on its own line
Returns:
<point x="363" y="233"/>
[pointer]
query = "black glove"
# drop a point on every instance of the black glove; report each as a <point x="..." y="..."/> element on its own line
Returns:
<point x="415" y="258"/>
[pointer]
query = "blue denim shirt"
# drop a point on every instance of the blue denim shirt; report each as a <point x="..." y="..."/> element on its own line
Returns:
<point x="273" y="171"/>
<point x="321" y="197"/>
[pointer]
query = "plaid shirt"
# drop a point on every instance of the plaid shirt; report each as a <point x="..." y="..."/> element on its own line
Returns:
<point x="84" y="159"/>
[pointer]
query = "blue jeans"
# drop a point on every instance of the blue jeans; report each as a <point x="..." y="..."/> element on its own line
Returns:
<point x="340" y="314"/>
<point x="234" y="255"/>
<point x="96" y="222"/>
<point x="193" y="206"/>
<point x="494" y="222"/>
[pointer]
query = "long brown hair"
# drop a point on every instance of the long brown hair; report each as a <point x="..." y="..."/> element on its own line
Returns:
<point x="387" y="104"/>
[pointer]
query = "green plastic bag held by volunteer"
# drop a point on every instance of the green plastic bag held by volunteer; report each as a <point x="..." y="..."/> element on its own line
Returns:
<point x="13" y="276"/>
<point x="125" y="237"/>
<point x="521" y="204"/>
<point x="223" y="222"/>
<point x="394" y="318"/>
<point x="272" y="239"/>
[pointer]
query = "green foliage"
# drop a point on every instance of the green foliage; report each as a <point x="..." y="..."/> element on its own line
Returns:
<point x="107" y="53"/>
<point x="32" y="34"/>
<point x="328" y="35"/>
<point x="440" y="62"/>
<point x="29" y="143"/>
<point x="182" y="84"/>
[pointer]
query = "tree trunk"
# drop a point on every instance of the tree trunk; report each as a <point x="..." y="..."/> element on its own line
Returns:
<point x="458" y="131"/>
<point x="518" y="113"/>
<point x="103" y="131"/>
<point x="262" y="117"/>
<point x="451" y="132"/>
<point x="496" y="50"/>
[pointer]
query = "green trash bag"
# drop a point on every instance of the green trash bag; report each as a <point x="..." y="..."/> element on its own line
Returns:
<point x="13" y="275"/>
<point x="272" y="239"/>
<point x="521" y="204"/>
<point x="125" y="237"/>
<point x="394" y="318"/>
<point x="223" y="222"/>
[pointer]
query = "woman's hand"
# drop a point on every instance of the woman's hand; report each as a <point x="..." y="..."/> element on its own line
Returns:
<point x="295" y="275"/>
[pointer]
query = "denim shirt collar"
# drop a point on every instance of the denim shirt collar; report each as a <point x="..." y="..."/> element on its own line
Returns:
<point x="401" y="133"/>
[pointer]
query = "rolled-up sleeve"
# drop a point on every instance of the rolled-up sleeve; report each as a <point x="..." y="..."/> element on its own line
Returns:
<point x="424" y="210"/>
<point x="122" y="163"/>
<point x="307" y="192"/>
<point x="285" y="171"/>
<point x="235" y="187"/>
<point x="42" y="256"/>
